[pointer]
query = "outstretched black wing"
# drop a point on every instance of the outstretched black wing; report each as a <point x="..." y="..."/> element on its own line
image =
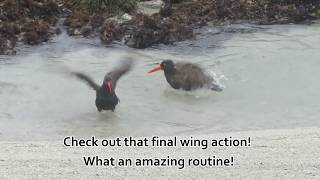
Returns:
<point x="120" y="70"/>
<point x="87" y="79"/>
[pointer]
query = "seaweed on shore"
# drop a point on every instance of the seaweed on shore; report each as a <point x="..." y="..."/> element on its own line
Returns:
<point x="27" y="20"/>
<point x="32" y="21"/>
<point x="176" y="19"/>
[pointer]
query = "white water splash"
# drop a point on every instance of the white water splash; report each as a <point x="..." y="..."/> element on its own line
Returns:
<point x="218" y="79"/>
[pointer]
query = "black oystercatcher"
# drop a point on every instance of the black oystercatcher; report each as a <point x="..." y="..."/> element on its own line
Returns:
<point x="106" y="98"/>
<point x="186" y="76"/>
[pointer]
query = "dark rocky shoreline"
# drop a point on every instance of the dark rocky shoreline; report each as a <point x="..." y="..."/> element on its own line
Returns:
<point x="34" y="21"/>
<point x="28" y="21"/>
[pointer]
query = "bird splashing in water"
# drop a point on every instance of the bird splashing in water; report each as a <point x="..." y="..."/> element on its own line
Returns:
<point x="186" y="76"/>
<point x="106" y="98"/>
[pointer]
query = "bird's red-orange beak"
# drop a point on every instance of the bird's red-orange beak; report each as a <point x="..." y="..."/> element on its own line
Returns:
<point x="109" y="86"/>
<point x="155" y="69"/>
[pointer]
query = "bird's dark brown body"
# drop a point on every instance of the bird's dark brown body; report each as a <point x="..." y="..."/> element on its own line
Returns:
<point x="106" y="98"/>
<point x="186" y="76"/>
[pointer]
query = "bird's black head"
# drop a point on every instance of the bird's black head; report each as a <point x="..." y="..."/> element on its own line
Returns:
<point x="167" y="66"/>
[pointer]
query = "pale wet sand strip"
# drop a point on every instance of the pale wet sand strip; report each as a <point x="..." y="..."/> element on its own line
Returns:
<point x="273" y="154"/>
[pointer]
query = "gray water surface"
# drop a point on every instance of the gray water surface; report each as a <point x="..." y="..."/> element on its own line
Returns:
<point x="271" y="74"/>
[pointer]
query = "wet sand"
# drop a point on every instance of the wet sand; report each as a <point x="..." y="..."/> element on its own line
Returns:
<point x="273" y="154"/>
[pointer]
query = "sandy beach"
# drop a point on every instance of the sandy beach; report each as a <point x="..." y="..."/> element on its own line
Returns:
<point x="273" y="154"/>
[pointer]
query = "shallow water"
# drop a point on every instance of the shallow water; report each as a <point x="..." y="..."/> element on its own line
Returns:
<point x="271" y="78"/>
